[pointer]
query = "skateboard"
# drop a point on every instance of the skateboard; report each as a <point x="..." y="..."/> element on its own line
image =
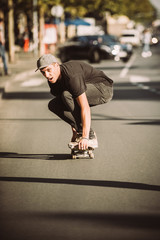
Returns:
<point x="79" y="153"/>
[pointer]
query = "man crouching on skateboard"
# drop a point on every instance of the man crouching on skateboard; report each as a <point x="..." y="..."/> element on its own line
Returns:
<point x="77" y="86"/>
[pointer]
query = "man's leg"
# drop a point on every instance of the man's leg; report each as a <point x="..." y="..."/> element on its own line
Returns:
<point x="72" y="105"/>
<point x="96" y="94"/>
<point x="57" y="106"/>
<point x="67" y="108"/>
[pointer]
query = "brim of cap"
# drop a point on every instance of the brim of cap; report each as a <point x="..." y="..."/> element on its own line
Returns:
<point x="40" y="68"/>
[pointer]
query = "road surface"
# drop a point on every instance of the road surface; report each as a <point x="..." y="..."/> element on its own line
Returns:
<point x="44" y="194"/>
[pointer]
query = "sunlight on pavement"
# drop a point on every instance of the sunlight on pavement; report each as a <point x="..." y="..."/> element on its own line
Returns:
<point x="138" y="78"/>
<point x="33" y="82"/>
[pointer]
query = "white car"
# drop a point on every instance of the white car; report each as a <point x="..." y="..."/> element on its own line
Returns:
<point x="131" y="36"/>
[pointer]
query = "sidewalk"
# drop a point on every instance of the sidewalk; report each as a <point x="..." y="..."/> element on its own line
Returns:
<point x="25" y="64"/>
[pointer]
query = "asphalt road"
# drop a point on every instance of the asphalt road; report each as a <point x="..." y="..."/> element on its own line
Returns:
<point x="45" y="195"/>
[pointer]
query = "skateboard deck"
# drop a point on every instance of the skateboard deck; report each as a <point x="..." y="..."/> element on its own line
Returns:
<point x="79" y="153"/>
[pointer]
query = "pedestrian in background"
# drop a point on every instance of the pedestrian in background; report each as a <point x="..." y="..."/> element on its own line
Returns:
<point x="26" y="40"/>
<point x="146" y="43"/>
<point x="2" y="47"/>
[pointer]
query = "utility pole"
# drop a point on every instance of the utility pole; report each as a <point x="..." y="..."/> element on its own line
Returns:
<point x="11" y="31"/>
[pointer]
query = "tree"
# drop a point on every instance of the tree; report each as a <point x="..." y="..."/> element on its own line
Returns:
<point x="11" y="31"/>
<point x="136" y="10"/>
<point x="139" y="11"/>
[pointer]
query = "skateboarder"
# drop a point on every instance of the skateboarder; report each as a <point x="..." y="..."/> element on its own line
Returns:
<point x="76" y="87"/>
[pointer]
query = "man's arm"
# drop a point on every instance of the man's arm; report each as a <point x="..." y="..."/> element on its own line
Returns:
<point x="86" y="120"/>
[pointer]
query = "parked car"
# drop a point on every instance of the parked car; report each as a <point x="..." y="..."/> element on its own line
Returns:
<point x="123" y="51"/>
<point x="131" y="36"/>
<point x="93" y="48"/>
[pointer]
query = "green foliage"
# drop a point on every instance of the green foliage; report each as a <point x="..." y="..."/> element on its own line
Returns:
<point x="136" y="10"/>
<point x="48" y="2"/>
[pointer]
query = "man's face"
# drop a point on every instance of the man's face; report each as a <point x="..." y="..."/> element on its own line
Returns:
<point x="51" y="72"/>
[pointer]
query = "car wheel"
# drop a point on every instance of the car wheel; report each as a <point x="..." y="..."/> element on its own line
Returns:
<point x="125" y="59"/>
<point x="95" y="57"/>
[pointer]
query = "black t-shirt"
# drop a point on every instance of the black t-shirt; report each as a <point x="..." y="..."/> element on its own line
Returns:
<point x="74" y="77"/>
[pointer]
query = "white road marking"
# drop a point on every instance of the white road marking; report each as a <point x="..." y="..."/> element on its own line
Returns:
<point x="25" y="74"/>
<point x="33" y="82"/>
<point x="143" y="87"/>
<point x="125" y="70"/>
<point x="139" y="81"/>
<point x="138" y="78"/>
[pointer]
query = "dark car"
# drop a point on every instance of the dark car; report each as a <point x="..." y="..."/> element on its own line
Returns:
<point x="94" y="48"/>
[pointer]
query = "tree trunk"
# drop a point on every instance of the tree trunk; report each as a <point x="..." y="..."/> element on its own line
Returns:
<point x="35" y="27"/>
<point x="11" y="52"/>
<point x="41" y="31"/>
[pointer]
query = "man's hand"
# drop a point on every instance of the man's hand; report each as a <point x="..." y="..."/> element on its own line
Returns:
<point x="86" y="120"/>
<point x="83" y="144"/>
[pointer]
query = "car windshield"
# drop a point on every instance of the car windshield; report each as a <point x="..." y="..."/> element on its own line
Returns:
<point x="96" y="39"/>
<point x="78" y="39"/>
<point x="93" y="39"/>
<point x="110" y="39"/>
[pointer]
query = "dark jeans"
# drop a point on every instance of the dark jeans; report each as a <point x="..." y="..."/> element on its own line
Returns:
<point x="2" y="55"/>
<point x="67" y="108"/>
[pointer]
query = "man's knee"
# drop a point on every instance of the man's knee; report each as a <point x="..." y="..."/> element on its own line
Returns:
<point x="52" y="105"/>
<point x="49" y="105"/>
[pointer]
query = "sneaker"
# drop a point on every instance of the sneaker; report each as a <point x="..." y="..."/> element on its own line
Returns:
<point x="144" y="54"/>
<point x="92" y="135"/>
<point x="149" y="54"/>
<point x="93" y="142"/>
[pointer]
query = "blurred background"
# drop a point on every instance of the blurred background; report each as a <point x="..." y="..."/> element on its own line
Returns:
<point x="58" y="27"/>
<point x="44" y="194"/>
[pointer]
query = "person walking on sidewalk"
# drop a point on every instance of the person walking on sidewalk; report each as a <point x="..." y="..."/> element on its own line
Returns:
<point x="77" y="86"/>
<point x="2" y="47"/>
<point x="146" y="52"/>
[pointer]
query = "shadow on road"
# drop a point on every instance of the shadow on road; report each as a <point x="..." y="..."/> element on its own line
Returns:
<point x="26" y="95"/>
<point x="136" y="94"/>
<point x="137" y="91"/>
<point x="95" y="117"/>
<point x="156" y="122"/>
<point x="122" y="91"/>
<point x="82" y="182"/>
<point x="135" y="121"/>
<point x="36" y="156"/>
<point x="122" y="220"/>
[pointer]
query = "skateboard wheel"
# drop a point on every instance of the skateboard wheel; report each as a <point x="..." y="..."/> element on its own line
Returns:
<point x="74" y="157"/>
